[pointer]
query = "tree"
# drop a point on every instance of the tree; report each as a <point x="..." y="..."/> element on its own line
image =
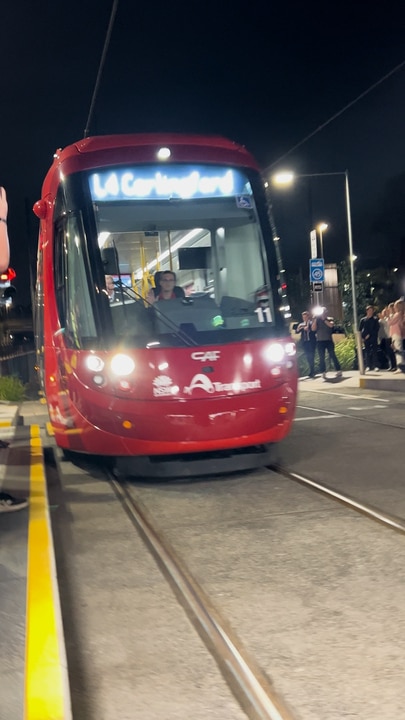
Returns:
<point x="299" y="295"/>
<point x="362" y="290"/>
<point x="376" y="287"/>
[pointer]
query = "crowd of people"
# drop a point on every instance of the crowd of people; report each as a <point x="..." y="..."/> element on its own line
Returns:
<point x="391" y="334"/>
<point x="382" y="334"/>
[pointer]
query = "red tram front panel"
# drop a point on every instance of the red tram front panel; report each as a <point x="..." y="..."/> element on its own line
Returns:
<point x="178" y="400"/>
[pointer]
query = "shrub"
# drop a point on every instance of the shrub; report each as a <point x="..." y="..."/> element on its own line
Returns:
<point x="11" y="389"/>
<point x="345" y="352"/>
<point x="302" y="362"/>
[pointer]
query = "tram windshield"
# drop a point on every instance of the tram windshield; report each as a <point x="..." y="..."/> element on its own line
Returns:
<point x="182" y="253"/>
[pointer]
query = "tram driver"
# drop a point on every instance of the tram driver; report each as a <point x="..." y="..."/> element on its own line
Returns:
<point x="166" y="288"/>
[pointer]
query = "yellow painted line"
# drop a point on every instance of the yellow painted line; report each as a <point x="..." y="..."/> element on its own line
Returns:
<point x="46" y="686"/>
<point x="5" y="423"/>
<point x="49" y="429"/>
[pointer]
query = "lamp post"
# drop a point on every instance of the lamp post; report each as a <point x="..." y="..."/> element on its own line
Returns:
<point x="286" y="178"/>
<point x="285" y="306"/>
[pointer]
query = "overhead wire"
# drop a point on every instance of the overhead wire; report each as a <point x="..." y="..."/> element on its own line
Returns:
<point x="101" y="66"/>
<point x="336" y="115"/>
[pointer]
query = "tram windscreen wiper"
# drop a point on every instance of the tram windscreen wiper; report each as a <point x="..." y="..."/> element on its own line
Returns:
<point x="168" y="322"/>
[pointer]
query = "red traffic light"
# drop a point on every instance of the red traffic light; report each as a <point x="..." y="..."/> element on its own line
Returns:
<point x="8" y="275"/>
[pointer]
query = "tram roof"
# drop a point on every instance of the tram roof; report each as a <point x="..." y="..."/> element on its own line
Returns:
<point x="105" y="150"/>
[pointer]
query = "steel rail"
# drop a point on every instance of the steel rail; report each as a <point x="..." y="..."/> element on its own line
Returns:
<point x="369" y="511"/>
<point x="251" y="688"/>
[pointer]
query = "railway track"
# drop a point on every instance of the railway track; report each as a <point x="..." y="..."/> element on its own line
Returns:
<point x="248" y="683"/>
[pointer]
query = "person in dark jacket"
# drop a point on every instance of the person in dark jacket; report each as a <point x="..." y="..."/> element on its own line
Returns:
<point x="323" y="326"/>
<point x="369" y="327"/>
<point x="308" y="341"/>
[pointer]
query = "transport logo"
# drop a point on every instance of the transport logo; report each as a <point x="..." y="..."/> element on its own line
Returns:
<point x="202" y="382"/>
<point x="163" y="386"/>
<point x="208" y="356"/>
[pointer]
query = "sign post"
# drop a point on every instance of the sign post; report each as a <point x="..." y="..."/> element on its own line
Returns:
<point x="317" y="276"/>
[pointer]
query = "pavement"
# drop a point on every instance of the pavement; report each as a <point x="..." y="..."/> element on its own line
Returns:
<point x="32" y="651"/>
<point x="382" y="380"/>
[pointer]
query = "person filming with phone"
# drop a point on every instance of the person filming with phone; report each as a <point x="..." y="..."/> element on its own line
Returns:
<point x="308" y="341"/>
<point x="323" y="326"/>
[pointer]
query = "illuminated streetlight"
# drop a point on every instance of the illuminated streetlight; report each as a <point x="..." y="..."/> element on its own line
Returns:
<point x="283" y="178"/>
<point x="286" y="178"/>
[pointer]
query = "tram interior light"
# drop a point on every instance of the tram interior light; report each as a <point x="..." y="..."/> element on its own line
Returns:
<point x="102" y="238"/>
<point x="165" y="254"/>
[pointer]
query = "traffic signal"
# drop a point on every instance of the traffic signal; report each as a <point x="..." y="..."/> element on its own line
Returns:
<point x="8" y="275"/>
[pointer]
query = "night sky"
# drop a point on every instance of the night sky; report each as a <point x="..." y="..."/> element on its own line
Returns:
<point x="263" y="74"/>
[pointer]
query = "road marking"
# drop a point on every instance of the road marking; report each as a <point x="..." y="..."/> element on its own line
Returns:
<point x="320" y="410"/>
<point x="349" y="397"/>
<point x="317" y="417"/>
<point x="46" y="683"/>
<point x="369" y="407"/>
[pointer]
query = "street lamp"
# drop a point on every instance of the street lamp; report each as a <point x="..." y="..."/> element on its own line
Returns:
<point x="286" y="178"/>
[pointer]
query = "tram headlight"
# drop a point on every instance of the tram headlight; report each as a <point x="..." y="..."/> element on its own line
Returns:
<point x="95" y="363"/>
<point x="291" y="349"/>
<point x="275" y="353"/>
<point x="122" y="365"/>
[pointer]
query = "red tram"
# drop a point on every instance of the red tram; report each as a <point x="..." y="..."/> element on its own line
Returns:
<point x="202" y="382"/>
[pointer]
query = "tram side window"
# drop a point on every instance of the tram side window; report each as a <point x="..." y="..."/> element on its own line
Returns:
<point x="74" y="304"/>
<point x="245" y="269"/>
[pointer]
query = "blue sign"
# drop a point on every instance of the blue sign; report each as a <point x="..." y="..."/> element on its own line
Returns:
<point x="317" y="270"/>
